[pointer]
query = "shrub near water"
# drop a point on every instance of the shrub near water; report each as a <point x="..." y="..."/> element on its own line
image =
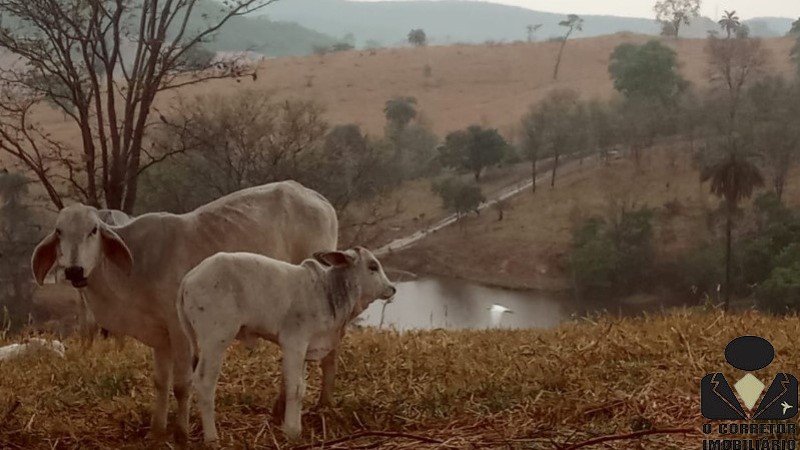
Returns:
<point x="474" y="389"/>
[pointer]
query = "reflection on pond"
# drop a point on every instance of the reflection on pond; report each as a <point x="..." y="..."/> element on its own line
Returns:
<point x="443" y="303"/>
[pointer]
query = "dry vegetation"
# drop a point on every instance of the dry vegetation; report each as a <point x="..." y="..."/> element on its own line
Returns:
<point x="509" y="389"/>
<point x="526" y="249"/>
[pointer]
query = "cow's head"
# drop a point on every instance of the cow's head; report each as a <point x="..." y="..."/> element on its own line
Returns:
<point x="78" y="243"/>
<point x="363" y="273"/>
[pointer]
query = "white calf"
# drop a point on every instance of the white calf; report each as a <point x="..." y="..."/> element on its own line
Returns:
<point x="304" y="308"/>
<point x="32" y="346"/>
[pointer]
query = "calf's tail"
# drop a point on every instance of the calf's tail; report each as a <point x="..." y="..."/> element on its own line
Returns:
<point x="186" y="326"/>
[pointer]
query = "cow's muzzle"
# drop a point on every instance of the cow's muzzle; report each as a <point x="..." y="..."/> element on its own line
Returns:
<point x="75" y="275"/>
<point x="389" y="293"/>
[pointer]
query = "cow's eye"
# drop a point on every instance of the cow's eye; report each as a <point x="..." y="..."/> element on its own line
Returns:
<point x="58" y="232"/>
<point x="93" y="232"/>
<point x="373" y="267"/>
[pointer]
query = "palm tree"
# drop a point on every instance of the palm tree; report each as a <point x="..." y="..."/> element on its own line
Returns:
<point x="733" y="179"/>
<point x="730" y="22"/>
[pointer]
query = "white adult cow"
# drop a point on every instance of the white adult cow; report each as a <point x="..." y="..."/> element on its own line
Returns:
<point x="304" y="308"/>
<point x="131" y="273"/>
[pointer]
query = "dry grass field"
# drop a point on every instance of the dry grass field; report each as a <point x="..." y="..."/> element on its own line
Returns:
<point x="542" y="389"/>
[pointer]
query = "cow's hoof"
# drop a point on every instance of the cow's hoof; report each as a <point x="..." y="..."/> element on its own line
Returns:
<point x="277" y="412"/>
<point x="181" y="437"/>
<point x="324" y="403"/>
<point x="157" y="434"/>
<point x="211" y="445"/>
<point x="292" y="433"/>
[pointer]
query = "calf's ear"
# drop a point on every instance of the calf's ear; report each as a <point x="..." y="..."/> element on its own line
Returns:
<point x="116" y="250"/>
<point x="335" y="259"/>
<point x="44" y="257"/>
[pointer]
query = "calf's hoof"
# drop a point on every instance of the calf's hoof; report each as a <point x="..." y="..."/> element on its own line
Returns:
<point x="211" y="445"/>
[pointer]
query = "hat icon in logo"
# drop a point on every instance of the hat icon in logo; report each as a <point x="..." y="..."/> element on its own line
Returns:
<point x="748" y="353"/>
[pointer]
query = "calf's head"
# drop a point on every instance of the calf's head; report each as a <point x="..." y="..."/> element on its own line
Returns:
<point x="79" y="243"/>
<point x="356" y="272"/>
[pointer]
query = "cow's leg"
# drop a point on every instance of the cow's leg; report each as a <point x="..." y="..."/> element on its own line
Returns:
<point x="211" y="350"/>
<point x="162" y="362"/>
<point x="280" y="404"/>
<point x="182" y="384"/>
<point x="294" y="358"/>
<point x="328" y="365"/>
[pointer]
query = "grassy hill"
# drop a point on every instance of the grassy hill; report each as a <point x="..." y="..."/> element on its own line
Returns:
<point x="472" y="389"/>
<point x="451" y="21"/>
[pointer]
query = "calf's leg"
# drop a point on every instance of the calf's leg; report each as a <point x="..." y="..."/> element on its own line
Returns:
<point x="294" y="358"/>
<point x="211" y="350"/>
<point x="328" y="365"/>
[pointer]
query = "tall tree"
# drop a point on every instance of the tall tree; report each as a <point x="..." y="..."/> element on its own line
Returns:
<point x="105" y="63"/>
<point x="556" y="126"/>
<point x="795" y="27"/>
<point x="730" y="23"/>
<point x="770" y="119"/>
<point x="473" y="149"/>
<point x="648" y="71"/>
<point x="734" y="64"/>
<point x="572" y="24"/>
<point x="532" y="29"/>
<point x="795" y="53"/>
<point x="677" y="12"/>
<point x="18" y="236"/>
<point x="417" y="37"/>
<point x="733" y="178"/>
<point x="400" y="111"/>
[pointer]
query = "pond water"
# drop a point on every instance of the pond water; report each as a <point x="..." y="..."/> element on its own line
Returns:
<point x="433" y="302"/>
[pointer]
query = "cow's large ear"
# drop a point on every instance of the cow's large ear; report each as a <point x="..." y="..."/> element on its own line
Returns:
<point x="116" y="250"/>
<point x="335" y="258"/>
<point x="44" y="257"/>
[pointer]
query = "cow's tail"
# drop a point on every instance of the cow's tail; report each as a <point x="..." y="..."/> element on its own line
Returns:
<point x="186" y="326"/>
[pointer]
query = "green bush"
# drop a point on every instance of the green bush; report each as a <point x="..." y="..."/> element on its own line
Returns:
<point x="613" y="256"/>
<point x="781" y="291"/>
<point x="459" y="196"/>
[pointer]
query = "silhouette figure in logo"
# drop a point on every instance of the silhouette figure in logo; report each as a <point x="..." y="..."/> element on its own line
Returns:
<point x="748" y="353"/>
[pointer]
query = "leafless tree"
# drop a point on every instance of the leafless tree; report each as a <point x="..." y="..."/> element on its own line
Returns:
<point x="733" y="64"/>
<point x="677" y="13"/>
<point x="102" y="63"/>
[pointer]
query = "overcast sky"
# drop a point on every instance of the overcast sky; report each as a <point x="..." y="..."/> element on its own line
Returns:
<point x="644" y="8"/>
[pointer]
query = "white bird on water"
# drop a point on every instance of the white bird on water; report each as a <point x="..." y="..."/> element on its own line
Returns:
<point x="496" y="313"/>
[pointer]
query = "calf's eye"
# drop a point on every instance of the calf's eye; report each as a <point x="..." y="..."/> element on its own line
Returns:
<point x="373" y="267"/>
<point x="93" y="232"/>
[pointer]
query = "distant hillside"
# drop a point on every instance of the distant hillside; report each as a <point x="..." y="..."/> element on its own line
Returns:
<point x="248" y="33"/>
<point x="452" y="21"/>
<point x="272" y="38"/>
<point x="778" y="25"/>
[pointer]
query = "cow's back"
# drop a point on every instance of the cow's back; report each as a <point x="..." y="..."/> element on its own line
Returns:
<point x="284" y="220"/>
